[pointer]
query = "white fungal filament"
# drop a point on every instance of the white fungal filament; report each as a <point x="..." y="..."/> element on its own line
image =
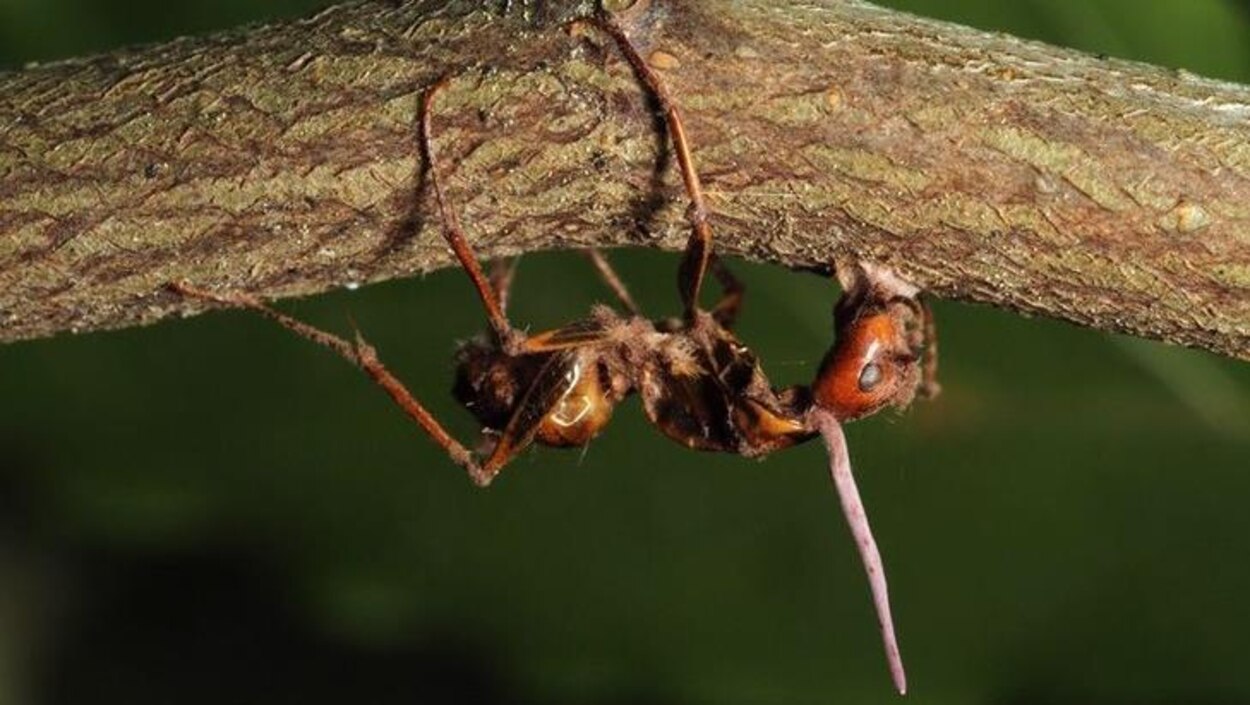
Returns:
<point x="857" y="519"/>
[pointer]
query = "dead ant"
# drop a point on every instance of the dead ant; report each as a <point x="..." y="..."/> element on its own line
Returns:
<point x="699" y="384"/>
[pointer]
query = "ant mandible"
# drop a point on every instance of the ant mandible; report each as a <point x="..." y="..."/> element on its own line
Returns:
<point x="699" y="384"/>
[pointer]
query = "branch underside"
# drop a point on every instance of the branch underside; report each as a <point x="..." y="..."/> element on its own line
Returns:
<point x="283" y="160"/>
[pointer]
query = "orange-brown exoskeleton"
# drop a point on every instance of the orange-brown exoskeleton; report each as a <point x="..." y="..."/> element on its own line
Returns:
<point x="699" y="384"/>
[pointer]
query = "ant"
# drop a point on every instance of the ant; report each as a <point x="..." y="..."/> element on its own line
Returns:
<point x="699" y="384"/>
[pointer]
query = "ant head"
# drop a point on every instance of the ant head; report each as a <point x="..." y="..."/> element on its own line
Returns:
<point x="869" y="367"/>
<point x="875" y="361"/>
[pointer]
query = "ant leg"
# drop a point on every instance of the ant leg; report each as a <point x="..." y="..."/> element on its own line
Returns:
<point x="732" y="292"/>
<point x="452" y="231"/>
<point x="694" y="264"/>
<point x="614" y="282"/>
<point x="929" y="386"/>
<point x="502" y="272"/>
<point x="362" y="355"/>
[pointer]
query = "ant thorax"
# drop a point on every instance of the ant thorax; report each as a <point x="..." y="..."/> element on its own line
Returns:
<point x="707" y="391"/>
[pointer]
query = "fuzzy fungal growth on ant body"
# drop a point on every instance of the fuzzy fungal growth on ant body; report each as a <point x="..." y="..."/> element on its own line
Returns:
<point x="699" y="384"/>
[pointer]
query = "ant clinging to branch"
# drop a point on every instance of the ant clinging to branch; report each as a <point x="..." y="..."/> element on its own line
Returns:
<point x="698" y="383"/>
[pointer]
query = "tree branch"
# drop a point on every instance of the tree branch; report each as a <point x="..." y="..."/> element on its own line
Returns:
<point x="282" y="160"/>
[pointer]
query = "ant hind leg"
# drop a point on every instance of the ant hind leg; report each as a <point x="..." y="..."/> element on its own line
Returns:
<point x="360" y="354"/>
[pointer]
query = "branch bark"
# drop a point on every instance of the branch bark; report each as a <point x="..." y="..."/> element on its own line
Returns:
<point x="282" y="160"/>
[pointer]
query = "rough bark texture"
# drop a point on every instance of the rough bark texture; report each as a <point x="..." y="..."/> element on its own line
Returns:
<point x="282" y="160"/>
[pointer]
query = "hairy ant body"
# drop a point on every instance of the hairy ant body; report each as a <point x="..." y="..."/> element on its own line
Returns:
<point x="698" y="383"/>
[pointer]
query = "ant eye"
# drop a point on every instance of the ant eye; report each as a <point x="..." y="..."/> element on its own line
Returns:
<point x="869" y="377"/>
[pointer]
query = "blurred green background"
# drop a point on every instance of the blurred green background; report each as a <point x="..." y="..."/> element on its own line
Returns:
<point x="213" y="511"/>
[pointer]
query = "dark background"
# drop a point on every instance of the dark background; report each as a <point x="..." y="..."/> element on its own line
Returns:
<point x="213" y="511"/>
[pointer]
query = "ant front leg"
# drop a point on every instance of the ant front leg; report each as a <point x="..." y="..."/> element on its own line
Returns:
<point x="363" y="355"/>
<point x="929" y="386"/>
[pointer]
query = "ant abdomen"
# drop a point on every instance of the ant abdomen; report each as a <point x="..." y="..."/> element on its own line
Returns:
<point x="583" y="409"/>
